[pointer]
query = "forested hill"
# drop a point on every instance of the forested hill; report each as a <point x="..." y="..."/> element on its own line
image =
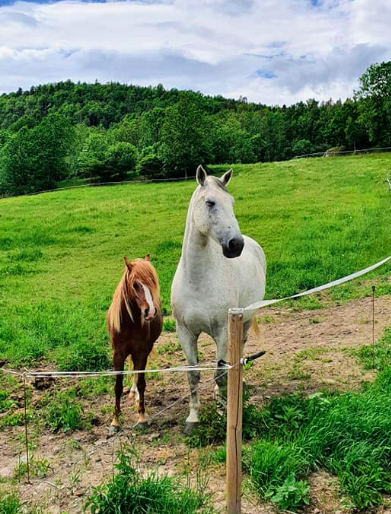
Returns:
<point x="115" y="131"/>
<point x="98" y="104"/>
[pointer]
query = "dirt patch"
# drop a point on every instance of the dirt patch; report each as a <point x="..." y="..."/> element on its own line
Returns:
<point x="312" y="350"/>
<point x="306" y="351"/>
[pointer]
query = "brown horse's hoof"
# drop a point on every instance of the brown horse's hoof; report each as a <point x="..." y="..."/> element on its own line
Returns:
<point x="143" y="425"/>
<point x="113" y="429"/>
<point x="190" y="427"/>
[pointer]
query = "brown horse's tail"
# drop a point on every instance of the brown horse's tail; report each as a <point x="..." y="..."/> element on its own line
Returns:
<point x="255" y="327"/>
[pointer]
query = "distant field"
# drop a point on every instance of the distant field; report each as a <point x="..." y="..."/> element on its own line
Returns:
<point x="61" y="253"/>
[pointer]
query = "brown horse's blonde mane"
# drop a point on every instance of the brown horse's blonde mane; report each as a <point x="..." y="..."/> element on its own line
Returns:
<point x="141" y="271"/>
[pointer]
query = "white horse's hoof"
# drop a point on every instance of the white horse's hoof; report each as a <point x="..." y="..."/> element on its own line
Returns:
<point x="190" y="427"/>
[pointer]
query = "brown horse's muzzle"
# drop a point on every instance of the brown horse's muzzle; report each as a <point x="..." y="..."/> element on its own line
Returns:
<point x="149" y="314"/>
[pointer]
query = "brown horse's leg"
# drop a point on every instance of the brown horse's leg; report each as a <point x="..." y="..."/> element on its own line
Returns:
<point x="140" y="363"/>
<point x="119" y="361"/>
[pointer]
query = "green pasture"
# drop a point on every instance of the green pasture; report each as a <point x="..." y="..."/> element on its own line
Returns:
<point x="61" y="252"/>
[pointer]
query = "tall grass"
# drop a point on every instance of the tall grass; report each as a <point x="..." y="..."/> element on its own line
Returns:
<point x="347" y="434"/>
<point x="131" y="491"/>
<point x="61" y="253"/>
<point x="10" y="504"/>
<point x="377" y="356"/>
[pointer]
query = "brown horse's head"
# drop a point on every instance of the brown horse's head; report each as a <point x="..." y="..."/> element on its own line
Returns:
<point x="137" y="292"/>
<point x="142" y="286"/>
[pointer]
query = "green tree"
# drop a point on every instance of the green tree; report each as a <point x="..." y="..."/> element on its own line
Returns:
<point x="104" y="159"/>
<point x="35" y="159"/>
<point x="184" y="141"/>
<point x="230" y="142"/>
<point x="375" y="102"/>
<point x="302" y="147"/>
<point x="90" y="163"/>
<point x="119" y="161"/>
<point x="150" y="166"/>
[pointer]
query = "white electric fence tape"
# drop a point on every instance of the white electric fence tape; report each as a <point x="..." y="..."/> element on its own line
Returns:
<point x="77" y="374"/>
<point x="264" y="303"/>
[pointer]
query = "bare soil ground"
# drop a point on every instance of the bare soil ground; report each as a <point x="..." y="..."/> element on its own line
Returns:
<point x="306" y="351"/>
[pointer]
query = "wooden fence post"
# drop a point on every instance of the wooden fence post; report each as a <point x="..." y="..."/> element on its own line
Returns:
<point x="234" y="411"/>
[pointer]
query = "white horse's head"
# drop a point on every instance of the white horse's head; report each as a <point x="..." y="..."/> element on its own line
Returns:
<point x="213" y="213"/>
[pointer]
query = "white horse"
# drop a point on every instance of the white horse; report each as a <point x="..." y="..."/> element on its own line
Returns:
<point x="219" y="269"/>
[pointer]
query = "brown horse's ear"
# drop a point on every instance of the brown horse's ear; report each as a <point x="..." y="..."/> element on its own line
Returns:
<point x="128" y="264"/>
<point x="147" y="257"/>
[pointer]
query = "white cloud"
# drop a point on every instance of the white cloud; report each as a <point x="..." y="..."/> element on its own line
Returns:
<point x="271" y="52"/>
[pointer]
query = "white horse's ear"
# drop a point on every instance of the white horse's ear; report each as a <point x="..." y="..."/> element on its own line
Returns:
<point x="227" y="177"/>
<point x="201" y="175"/>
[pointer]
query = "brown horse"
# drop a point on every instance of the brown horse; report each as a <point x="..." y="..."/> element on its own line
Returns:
<point x="134" y="322"/>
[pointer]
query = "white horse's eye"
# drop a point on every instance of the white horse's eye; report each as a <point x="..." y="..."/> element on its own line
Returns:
<point x="210" y="203"/>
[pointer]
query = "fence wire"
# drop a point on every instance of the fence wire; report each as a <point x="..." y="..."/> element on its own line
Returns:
<point x="264" y="303"/>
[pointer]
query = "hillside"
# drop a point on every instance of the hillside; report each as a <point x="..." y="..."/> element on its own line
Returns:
<point x="111" y="132"/>
<point x="61" y="253"/>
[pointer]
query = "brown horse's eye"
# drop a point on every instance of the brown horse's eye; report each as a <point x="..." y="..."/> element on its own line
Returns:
<point x="137" y="287"/>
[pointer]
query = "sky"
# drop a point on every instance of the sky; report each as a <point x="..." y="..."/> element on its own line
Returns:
<point x="271" y="51"/>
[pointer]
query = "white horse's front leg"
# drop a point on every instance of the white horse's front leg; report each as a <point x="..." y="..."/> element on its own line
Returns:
<point x="189" y="345"/>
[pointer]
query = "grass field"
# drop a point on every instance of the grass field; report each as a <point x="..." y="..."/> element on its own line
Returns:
<point x="61" y="253"/>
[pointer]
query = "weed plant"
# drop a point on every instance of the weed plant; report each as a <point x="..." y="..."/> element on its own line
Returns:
<point x="64" y="412"/>
<point x="131" y="491"/>
<point x="10" y="504"/>
<point x="169" y="325"/>
<point x="38" y="468"/>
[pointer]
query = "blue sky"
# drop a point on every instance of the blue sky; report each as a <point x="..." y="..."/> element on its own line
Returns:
<point x="270" y="51"/>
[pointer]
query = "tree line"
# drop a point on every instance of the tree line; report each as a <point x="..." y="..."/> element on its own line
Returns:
<point x="112" y="132"/>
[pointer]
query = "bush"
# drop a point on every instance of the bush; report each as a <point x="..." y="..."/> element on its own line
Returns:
<point x="150" y="166"/>
<point x="212" y="426"/>
<point x="302" y="147"/>
<point x="120" y="159"/>
<point x="103" y="159"/>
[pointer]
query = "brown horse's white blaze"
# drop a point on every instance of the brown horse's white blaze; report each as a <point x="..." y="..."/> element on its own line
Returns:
<point x="134" y="321"/>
